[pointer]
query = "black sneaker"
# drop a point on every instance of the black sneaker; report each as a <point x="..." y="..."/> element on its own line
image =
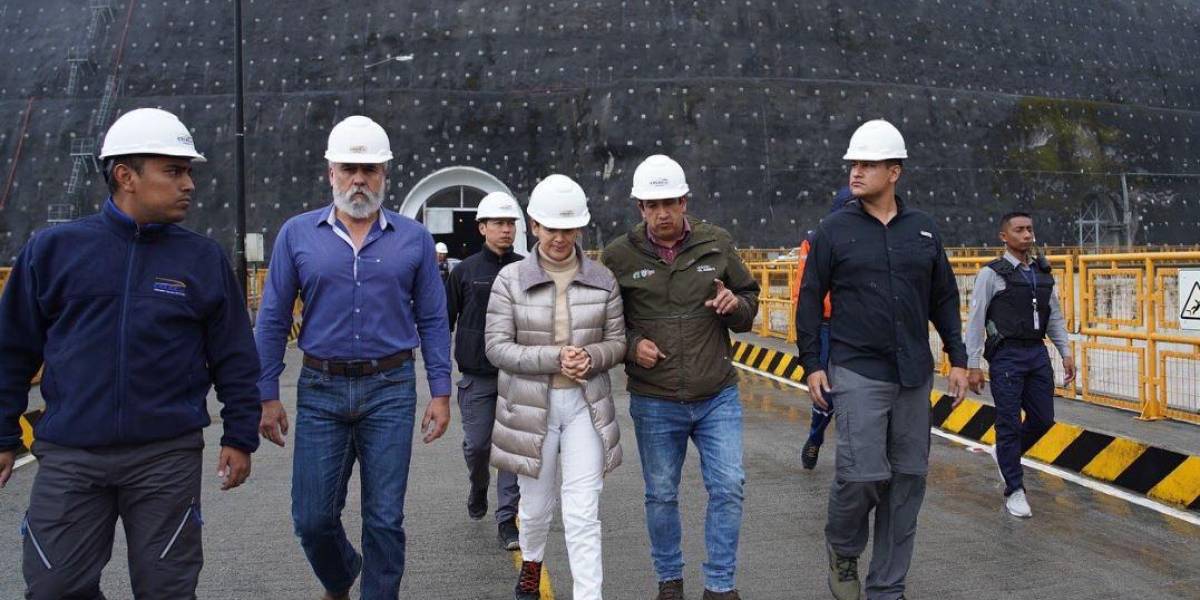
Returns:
<point x="808" y="455"/>
<point x="477" y="504"/>
<point x="529" y="581"/>
<point x="670" y="590"/>
<point x="730" y="595"/>
<point x="510" y="538"/>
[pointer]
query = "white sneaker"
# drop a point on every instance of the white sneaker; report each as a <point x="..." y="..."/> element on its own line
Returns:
<point x="1018" y="505"/>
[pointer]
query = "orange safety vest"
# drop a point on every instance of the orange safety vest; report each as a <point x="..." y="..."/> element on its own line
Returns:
<point x="798" y="280"/>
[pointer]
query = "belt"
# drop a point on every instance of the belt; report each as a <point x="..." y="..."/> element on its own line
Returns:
<point x="358" y="368"/>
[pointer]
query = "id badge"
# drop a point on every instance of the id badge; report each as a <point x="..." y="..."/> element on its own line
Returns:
<point x="1037" y="321"/>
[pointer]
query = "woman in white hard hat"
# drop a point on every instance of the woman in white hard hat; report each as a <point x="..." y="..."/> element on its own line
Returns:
<point x="555" y="327"/>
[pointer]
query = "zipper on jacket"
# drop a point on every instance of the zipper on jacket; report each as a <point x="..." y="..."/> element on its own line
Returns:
<point x="121" y="366"/>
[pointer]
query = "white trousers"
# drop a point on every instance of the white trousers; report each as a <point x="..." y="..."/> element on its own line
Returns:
<point x="570" y="437"/>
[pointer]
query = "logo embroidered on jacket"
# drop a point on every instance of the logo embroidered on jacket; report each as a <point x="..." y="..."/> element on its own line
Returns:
<point x="644" y="273"/>
<point x="705" y="269"/>
<point x="173" y="287"/>
<point x="927" y="234"/>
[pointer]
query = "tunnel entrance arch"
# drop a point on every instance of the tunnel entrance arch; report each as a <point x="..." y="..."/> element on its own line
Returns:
<point x="447" y="199"/>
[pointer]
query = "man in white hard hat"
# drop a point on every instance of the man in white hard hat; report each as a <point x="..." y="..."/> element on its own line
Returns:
<point x="371" y="293"/>
<point x="467" y="293"/>
<point x="135" y="319"/>
<point x="443" y="253"/>
<point x="684" y="289"/>
<point x="886" y="267"/>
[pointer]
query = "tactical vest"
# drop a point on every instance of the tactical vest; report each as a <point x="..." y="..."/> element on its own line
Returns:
<point x="1012" y="310"/>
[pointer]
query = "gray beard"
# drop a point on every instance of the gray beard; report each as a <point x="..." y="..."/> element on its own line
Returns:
<point x="358" y="208"/>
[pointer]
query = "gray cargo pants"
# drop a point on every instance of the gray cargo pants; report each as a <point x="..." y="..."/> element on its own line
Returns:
<point x="477" y="402"/>
<point x="79" y="493"/>
<point x="882" y="461"/>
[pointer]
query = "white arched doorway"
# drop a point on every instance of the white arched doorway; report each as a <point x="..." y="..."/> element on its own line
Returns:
<point x="457" y="191"/>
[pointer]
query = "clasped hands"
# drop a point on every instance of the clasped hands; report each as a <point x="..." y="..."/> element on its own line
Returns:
<point x="576" y="363"/>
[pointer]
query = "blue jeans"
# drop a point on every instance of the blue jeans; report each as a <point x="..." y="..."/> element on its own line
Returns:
<point x="820" y="416"/>
<point x="340" y="420"/>
<point x="715" y="426"/>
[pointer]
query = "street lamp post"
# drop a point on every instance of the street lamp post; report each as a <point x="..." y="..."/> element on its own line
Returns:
<point x="239" y="168"/>
<point x="367" y="66"/>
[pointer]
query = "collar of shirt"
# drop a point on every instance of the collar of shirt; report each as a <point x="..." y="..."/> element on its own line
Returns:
<point x="1016" y="262"/>
<point x="338" y="228"/>
<point x="667" y="251"/>
<point x="863" y="209"/>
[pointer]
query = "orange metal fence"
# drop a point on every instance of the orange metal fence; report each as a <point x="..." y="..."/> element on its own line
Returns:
<point x="1121" y="309"/>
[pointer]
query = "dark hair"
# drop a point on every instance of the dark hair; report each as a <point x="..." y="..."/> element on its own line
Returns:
<point x="894" y="162"/>
<point x="134" y="161"/>
<point x="1013" y="215"/>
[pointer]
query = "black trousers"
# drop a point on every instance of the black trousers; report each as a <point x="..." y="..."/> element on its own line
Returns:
<point x="77" y="496"/>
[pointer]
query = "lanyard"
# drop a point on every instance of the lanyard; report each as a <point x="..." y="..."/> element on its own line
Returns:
<point x="1032" y="279"/>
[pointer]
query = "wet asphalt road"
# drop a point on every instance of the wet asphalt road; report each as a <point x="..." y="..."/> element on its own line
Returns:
<point x="1080" y="543"/>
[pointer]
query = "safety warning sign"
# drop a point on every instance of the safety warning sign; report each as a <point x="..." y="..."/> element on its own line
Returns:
<point x="1189" y="299"/>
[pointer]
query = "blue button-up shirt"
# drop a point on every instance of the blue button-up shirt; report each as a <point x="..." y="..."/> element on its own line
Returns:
<point x="384" y="298"/>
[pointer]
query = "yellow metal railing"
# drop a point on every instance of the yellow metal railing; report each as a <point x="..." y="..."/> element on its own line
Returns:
<point x="1122" y="310"/>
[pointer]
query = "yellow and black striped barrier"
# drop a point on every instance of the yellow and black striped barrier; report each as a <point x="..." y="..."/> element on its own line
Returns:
<point x="1161" y="474"/>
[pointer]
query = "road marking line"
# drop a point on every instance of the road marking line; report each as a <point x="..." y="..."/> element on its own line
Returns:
<point x="1036" y="465"/>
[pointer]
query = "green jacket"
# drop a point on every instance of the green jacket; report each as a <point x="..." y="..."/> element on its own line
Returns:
<point x="665" y="304"/>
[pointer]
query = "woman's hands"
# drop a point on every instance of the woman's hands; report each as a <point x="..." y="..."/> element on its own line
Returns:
<point x="575" y="363"/>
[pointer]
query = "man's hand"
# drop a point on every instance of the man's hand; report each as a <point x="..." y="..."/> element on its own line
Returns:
<point x="233" y="466"/>
<point x="7" y="460"/>
<point x="437" y="418"/>
<point x="724" y="302"/>
<point x="975" y="380"/>
<point x="648" y="354"/>
<point x="818" y="386"/>
<point x="1069" y="368"/>
<point x="957" y="382"/>
<point x="274" y="422"/>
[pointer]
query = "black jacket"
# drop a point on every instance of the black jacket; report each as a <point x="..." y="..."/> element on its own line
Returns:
<point x="887" y="283"/>
<point x="468" y="288"/>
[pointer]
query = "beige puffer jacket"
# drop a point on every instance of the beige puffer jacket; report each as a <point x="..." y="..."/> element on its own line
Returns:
<point x="519" y="340"/>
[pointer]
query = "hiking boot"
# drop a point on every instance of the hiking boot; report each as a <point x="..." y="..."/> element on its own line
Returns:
<point x="730" y="595"/>
<point x="510" y="538"/>
<point x="843" y="576"/>
<point x="529" y="581"/>
<point x="808" y="455"/>
<point x="477" y="504"/>
<point x="670" y="590"/>
<point x="1018" y="505"/>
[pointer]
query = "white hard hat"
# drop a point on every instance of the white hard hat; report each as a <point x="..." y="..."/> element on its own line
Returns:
<point x="658" y="178"/>
<point x="559" y="203"/>
<point x="441" y="248"/>
<point x="498" y="205"/>
<point x="358" y="140"/>
<point x="149" y="131"/>
<point x="876" y="140"/>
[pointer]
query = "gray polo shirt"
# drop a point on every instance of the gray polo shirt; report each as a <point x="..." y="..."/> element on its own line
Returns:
<point x="989" y="283"/>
